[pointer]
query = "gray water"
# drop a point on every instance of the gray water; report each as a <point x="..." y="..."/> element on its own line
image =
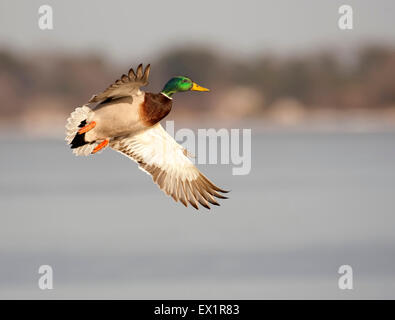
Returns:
<point x="312" y="202"/>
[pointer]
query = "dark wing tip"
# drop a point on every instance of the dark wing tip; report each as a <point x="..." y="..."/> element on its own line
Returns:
<point x="132" y="74"/>
<point x="146" y="73"/>
<point x="139" y="71"/>
<point x="184" y="202"/>
<point x="194" y="205"/>
<point x="205" y="205"/>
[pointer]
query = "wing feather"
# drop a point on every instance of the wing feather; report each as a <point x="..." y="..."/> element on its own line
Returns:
<point x="158" y="154"/>
<point x="127" y="85"/>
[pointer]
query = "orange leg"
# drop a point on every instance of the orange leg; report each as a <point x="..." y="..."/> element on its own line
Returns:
<point x="88" y="127"/>
<point x="100" y="146"/>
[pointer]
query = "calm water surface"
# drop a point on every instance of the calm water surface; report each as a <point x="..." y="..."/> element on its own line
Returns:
<point x="311" y="203"/>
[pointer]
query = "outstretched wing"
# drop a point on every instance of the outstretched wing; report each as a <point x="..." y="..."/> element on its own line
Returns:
<point x="128" y="85"/>
<point x="158" y="154"/>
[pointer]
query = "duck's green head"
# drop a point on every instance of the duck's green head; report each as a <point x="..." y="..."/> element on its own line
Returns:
<point x="180" y="84"/>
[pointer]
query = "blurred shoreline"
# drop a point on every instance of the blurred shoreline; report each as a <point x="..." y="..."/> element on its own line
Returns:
<point x="328" y="121"/>
<point x="313" y="92"/>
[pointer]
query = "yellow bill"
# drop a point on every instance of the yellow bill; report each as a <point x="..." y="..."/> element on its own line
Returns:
<point x="196" y="87"/>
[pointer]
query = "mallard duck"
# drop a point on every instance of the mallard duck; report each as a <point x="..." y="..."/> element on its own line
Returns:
<point x="126" y="119"/>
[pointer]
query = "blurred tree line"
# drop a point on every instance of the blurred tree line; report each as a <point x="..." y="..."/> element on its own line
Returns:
<point x="316" y="80"/>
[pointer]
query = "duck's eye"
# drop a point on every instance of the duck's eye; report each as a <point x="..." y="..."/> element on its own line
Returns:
<point x="185" y="80"/>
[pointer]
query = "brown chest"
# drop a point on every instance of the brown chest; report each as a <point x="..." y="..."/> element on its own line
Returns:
<point x="154" y="108"/>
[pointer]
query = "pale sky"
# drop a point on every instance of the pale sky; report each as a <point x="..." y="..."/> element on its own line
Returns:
<point x="129" y="29"/>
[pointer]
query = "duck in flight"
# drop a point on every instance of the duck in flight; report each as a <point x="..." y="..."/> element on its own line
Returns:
<point x="126" y="119"/>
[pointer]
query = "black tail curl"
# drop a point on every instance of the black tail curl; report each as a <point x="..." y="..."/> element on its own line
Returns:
<point x="79" y="139"/>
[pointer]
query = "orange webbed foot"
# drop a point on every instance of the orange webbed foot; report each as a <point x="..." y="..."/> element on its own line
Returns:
<point x="87" y="128"/>
<point x="100" y="146"/>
